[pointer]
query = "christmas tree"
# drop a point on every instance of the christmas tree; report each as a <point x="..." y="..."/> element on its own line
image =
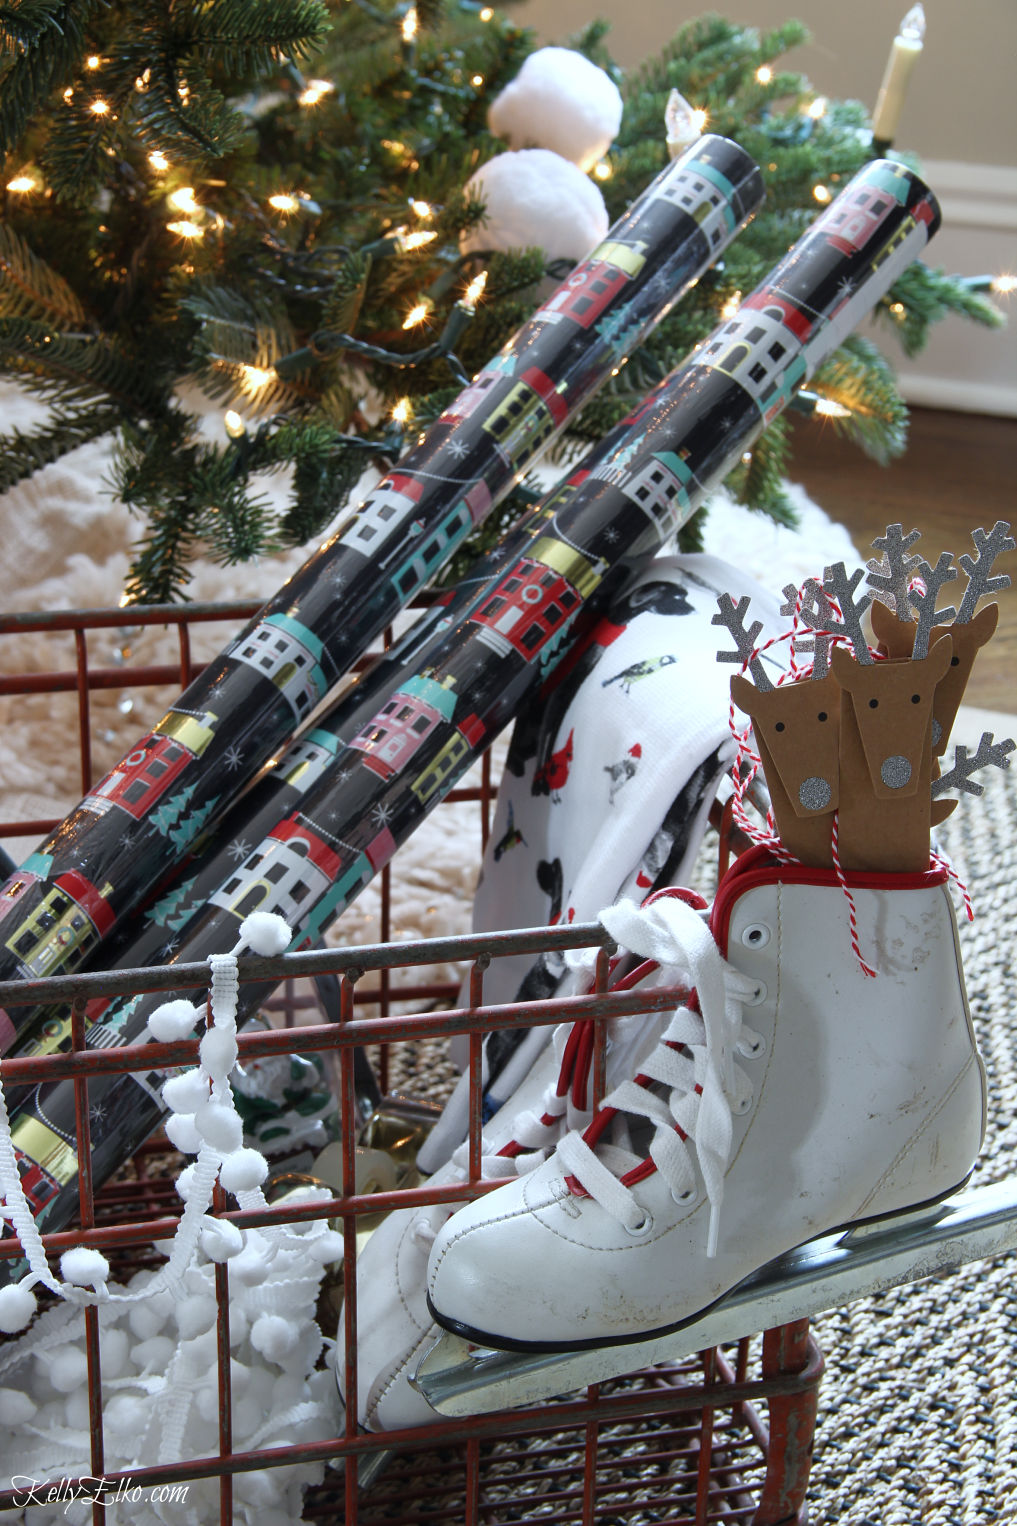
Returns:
<point x="270" y="199"/>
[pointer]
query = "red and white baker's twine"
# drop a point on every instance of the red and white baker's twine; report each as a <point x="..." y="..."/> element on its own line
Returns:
<point x="866" y="969"/>
<point x="941" y="861"/>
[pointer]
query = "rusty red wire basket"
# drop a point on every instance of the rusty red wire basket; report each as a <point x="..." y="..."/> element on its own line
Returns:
<point x="683" y="1444"/>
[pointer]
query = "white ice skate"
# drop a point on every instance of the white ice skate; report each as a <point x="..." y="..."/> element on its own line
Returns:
<point x="795" y="1096"/>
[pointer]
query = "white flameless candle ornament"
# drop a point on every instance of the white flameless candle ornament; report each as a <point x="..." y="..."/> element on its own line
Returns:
<point x="683" y="122"/>
<point x="903" y="56"/>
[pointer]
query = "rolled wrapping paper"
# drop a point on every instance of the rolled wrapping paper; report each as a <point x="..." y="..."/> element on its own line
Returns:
<point x="312" y="833"/>
<point x="140" y="820"/>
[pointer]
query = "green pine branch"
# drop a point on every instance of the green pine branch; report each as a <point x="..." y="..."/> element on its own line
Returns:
<point x="860" y="378"/>
<point x="922" y="296"/>
<point x="71" y="368"/>
<point x="759" y="481"/>
<point x="22" y="453"/>
<point x="39" y="54"/>
<point x="32" y="289"/>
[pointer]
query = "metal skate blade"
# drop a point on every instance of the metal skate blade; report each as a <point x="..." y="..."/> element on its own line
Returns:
<point x="457" y="1377"/>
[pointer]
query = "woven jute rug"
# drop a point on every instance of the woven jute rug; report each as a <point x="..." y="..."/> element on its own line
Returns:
<point x="918" y="1404"/>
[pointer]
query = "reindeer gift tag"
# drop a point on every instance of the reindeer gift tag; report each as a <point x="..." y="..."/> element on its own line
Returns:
<point x="850" y="752"/>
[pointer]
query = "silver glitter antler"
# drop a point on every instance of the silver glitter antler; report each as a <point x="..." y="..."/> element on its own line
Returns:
<point x="934" y="579"/>
<point x="841" y="588"/>
<point x="813" y="609"/>
<point x="890" y="574"/>
<point x="732" y="617"/>
<point x="988" y="544"/>
<point x="959" y="776"/>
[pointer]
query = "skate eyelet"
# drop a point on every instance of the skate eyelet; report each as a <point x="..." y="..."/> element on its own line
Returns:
<point x="752" y="1048"/>
<point x="742" y="1105"/>
<point x="758" y="996"/>
<point x="683" y="1199"/>
<point x="642" y="1228"/>
<point x="756" y="935"/>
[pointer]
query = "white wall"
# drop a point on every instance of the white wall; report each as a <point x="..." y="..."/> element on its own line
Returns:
<point x="960" y="117"/>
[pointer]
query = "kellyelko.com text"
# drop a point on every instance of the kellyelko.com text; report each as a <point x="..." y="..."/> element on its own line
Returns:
<point x="96" y="1490"/>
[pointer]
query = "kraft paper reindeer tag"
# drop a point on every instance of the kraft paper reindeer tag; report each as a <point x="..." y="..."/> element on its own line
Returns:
<point x="850" y="750"/>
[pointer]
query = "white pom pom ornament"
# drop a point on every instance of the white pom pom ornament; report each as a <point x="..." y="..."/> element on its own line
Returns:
<point x="561" y="101"/>
<point x="218" y="1051"/>
<point x="67" y="1368"/>
<point x="266" y="933"/>
<point x="185" y="1092"/>
<point x="274" y="1336"/>
<point x="243" y="1170"/>
<point x="185" y="1181"/>
<point x="536" y="199"/>
<point x="220" y="1240"/>
<point x="83" y="1266"/>
<point x="195" y="1314"/>
<point x="17" y="1306"/>
<point x="182" y="1134"/>
<point x="15" y="1407"/>
<point x="173" y="1020"/>
<point x="217" y="1123"/>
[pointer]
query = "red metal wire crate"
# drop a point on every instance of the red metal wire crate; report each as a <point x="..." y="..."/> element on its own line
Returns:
<point x="678" y="1444"/>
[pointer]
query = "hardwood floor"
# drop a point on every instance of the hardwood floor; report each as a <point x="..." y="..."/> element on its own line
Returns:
<point x="959" y="472"/>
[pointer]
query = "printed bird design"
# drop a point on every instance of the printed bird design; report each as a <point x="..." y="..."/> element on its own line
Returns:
<point x="511" y="839"/>
<point x="644" y="668"/>
<point x="552" y="778"/>
<point x="622" y="771"/>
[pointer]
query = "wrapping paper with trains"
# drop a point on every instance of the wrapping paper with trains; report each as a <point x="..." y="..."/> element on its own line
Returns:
<point x="320" y="823"/>
<point x="143" y="817"/>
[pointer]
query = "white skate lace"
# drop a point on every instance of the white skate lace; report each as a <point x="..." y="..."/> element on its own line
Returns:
<point x="566" y="1104"/>
<point x="695" y="1060"/>
<point x="534" y="1133"/>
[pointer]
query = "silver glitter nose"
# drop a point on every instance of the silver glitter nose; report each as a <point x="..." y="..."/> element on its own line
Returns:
<point x="895" y="772"/>
<point x="814" y="793"/>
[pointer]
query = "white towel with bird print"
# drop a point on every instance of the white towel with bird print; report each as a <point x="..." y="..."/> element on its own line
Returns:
<point x="611" y="771"/>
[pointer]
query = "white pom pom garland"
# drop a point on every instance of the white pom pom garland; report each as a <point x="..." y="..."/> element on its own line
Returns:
<point x="561" y="101"/>
<point x="535" y="197"/>
<point x="174" y="1020"/>
<point x="164" y="1347"/>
